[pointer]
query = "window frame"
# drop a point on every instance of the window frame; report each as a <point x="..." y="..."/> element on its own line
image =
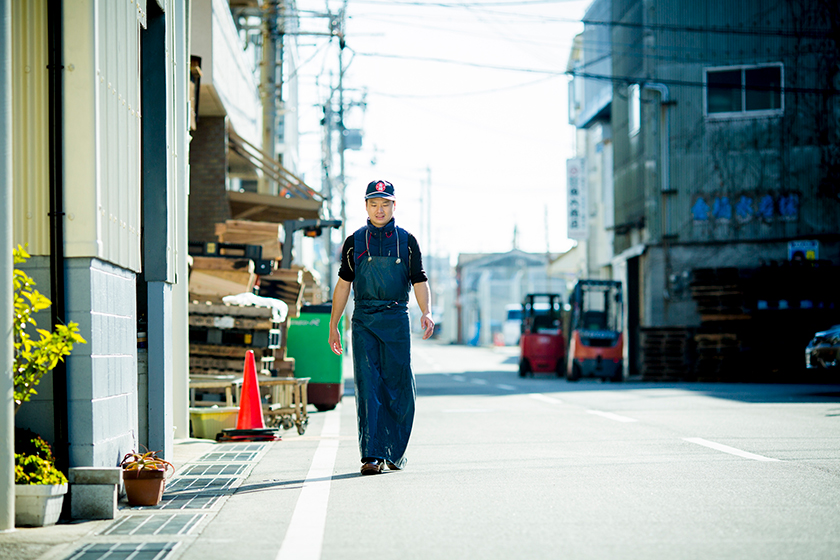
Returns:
<point x="634" y="109"/>
<point x="744" y="113"/>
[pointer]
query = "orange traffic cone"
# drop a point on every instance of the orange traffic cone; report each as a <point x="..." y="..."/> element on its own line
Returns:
<point x="250" y="407"/>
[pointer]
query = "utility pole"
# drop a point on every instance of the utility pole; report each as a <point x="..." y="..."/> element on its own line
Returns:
<point x="271" y="82"/>
<point x="326" y="158"/>
<point x="341" y="130"/>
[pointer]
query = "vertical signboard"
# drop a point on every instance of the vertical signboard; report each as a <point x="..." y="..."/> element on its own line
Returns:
<point x="576" y="199"/>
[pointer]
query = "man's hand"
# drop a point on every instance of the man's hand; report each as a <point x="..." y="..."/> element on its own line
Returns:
<point x="427" y="325"/>
<point x="335" y="341"/>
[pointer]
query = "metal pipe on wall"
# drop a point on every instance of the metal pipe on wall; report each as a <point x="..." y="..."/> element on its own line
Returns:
<point x="61" y="436"/>
<point x="7" y="402"/>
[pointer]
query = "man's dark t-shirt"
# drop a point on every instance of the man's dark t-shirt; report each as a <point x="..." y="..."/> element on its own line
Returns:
<point x="347" y="270"/>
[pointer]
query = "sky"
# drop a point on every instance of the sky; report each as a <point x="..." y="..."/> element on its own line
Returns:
<point x="465" y="113"/>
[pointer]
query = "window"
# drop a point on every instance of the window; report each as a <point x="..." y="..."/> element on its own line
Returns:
<point x="742" y="90"/>
<point x="634" y="109"/>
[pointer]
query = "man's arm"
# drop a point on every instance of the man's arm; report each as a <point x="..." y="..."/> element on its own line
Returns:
<point x="340" y="296"/>
<point x="424" y="299"/>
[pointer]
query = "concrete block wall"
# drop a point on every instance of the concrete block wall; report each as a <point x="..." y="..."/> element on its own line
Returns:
<point x="208" y="171"/>
<point x="37" y="413"/>
<point x="102" y="374"/>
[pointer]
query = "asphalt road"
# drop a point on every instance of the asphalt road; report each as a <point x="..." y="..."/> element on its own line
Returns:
<point x="503" y="467"/>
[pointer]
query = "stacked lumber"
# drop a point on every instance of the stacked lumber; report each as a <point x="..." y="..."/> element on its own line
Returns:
<point x="666" y="353"/>
<point x="312" y="290"/>
<point x="220" y="335"/>
<point x="719" y="294"/>
<point x="286" y="285"/>
<point x="264" y="234"/>
<point x="720" y="356"/>
<point x="212" y="278"/>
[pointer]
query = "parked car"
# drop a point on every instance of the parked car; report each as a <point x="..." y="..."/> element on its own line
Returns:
<point x="512" y="327"/>
<point x="824" y="349"/>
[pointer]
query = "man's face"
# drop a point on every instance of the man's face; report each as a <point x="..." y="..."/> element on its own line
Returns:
<point x="380" y="210"/>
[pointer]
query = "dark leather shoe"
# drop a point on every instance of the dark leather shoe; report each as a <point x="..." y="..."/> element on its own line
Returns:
<point x="375" y="466"/>
<point x="392" y="466"/>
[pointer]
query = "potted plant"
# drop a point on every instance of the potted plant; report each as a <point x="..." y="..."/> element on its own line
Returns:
<point x="39" y="486"/>
<point x="144" y="476"/>
<point x="35" y="358"/>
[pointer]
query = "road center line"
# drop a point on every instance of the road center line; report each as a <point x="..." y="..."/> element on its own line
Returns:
<point x="305" y="534"/>
<point x="543" y="398"/>
<point x="612" y="416"/>
<point x="727" y="449"/>
<point x="504" y="387"/>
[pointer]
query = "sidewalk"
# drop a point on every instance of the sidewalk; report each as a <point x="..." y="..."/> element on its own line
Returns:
<point x="207" y="475"/>
<point x="192" y="515"/>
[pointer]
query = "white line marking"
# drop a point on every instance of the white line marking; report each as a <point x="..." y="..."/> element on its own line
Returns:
<point x="504" y="387"/>
<point x="479" y="381"/>
<point x="543" y="398"/>
<point x="305" y="534"/>
<point x="458" y="378"/>
<point x="727" y="449"/>
<point x="612" y="416"/>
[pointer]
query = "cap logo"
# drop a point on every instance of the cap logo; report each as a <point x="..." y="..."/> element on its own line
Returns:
<point x="380" y="186"/>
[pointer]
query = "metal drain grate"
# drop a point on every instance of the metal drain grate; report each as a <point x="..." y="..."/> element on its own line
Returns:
<point x="234" y="453"/>
<point x="228" y="457"/>
<point x="134" y="551"/>
<point x="216" y="483"/>
<point x="204" y="500"/>
<point x="227" y="469"/>
<point x="158" y="524"/>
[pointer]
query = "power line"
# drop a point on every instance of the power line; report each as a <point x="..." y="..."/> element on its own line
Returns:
<point x="462" y="63"/>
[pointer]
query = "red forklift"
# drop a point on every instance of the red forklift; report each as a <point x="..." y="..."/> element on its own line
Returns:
<point x="596" y="341"/>
<point x="542" y="346"/>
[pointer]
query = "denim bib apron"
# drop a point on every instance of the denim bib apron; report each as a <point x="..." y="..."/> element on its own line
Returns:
<point x="385" y="391"/>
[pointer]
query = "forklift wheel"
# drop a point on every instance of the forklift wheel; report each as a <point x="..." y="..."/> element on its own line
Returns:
<point x="561" y="368"/>
<point x="524" y="367"/>
<point x="574" y="375"/>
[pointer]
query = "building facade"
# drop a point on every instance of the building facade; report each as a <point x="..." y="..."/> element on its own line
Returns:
<point x="100" y="199"/>
<point x="725" y="127"/>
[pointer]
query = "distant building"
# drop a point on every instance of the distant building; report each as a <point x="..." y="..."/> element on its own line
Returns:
<point x="488" y="282"/>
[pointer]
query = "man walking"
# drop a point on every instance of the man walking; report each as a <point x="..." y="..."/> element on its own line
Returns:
<point x="382" y="262"/>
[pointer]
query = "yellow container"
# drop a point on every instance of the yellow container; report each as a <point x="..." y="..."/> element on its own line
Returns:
<point x="207" y="422"/>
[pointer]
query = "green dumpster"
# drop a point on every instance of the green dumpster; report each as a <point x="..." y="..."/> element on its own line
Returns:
<point x="307" y="342"/>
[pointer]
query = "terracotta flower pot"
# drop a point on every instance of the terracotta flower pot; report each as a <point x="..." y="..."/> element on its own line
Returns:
<point x="144" y="487"/>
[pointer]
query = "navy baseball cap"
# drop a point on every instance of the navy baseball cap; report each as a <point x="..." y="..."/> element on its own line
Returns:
<point x="380" y="189"/>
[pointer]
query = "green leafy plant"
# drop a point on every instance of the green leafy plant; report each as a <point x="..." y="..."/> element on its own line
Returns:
<point x="31" y="469"/>
<point x="34" y="358"/>
<point x="148" y="461"/>
<point x="34" y="463"/>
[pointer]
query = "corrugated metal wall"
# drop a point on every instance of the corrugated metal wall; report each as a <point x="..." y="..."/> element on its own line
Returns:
<point x="733" y="179"/>
<point x="102" y="120"/>
<point x="30" y="149"/>
<point x="118" y="123"/>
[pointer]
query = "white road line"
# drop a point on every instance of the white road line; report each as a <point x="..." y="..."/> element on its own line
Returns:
<point x="479" y="381"/>
<point x="504" y="387"/>
<point x="727" y="449"/>
<point x="458" y="378"/>
<point x="612" y="416"/>
<point x="305" y="534"/>
<point x="543" y="398"/>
